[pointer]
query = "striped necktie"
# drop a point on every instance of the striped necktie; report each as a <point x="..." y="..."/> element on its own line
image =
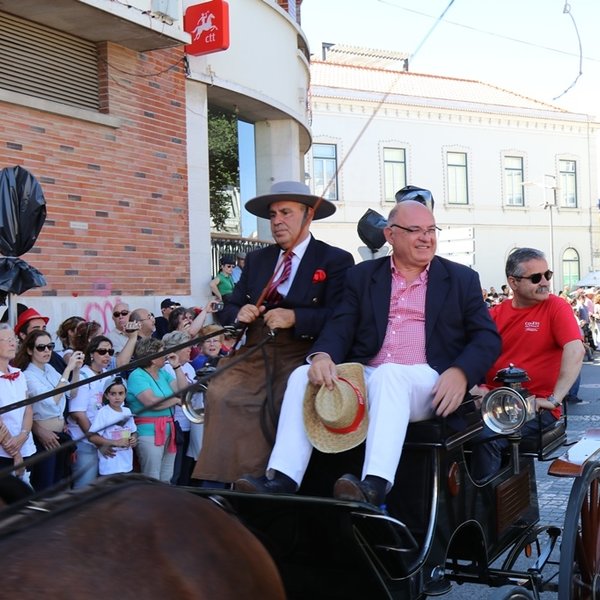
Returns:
<point x="273" y="296"/>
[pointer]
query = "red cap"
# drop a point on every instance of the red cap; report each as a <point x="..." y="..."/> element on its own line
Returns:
<point x="26" y="316"/>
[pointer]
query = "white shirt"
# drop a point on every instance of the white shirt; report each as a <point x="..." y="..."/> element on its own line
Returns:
<point x="88" y="400"/>
<point x="40" y="381"/>
<point x="114" y="425"/>
<point x="11" y="392"/>
<point x="284" y="287"/>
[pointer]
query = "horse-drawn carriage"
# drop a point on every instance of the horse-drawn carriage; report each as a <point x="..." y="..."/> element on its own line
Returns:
<point x="439" y="526"/>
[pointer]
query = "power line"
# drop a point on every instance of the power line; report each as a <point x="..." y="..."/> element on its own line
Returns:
<point x="490" y="33"/>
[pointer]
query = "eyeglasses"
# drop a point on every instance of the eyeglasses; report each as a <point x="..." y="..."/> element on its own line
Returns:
<point x="43" y="347"/>
<point x="150" y="316"/>
<point x="536" y="277"/>
<point x="121" y="313"/>
<point x="431" y="231"/>
<point x="104" y="351"/>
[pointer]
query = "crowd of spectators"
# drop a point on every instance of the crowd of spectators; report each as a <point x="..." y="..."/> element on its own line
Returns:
<point x="107" y="424"/>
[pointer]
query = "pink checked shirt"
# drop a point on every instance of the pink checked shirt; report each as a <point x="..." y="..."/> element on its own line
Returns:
<point x="404" y="341"/>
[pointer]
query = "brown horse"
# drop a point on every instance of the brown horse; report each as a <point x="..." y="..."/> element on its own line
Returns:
<point x="129" y="537"/>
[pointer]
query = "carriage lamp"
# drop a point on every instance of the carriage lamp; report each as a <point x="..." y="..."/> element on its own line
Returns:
<point x="506" y="409"/>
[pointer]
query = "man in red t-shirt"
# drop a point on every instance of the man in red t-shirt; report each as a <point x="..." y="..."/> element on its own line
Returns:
<point x="540" y="335"/>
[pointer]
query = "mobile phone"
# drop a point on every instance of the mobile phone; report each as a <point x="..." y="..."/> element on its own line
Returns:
<point x="217" y="306"/>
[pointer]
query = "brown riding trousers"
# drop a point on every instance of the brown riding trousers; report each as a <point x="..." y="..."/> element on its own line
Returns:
<point x="236" y="412"/>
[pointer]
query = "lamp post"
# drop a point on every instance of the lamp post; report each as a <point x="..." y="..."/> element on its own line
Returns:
<point x="550" y="207"/>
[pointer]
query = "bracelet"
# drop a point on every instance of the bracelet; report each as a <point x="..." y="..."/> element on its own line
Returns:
<point x="63" y="380"/>
<point x="177" y="367"/>
<point x="25" y="431"/>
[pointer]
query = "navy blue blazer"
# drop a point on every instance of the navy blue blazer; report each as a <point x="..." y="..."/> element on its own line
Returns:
<point x="313" y="300"/>
<point x="459" y="331"/>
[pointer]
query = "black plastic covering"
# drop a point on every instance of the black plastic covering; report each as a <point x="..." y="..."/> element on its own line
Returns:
<point x="22" y="216"/>
<point x="370" y="229"/>
<point x="412" y="192"/>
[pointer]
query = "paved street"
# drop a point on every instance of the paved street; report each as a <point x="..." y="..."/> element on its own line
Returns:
<point x="553" y="492"/>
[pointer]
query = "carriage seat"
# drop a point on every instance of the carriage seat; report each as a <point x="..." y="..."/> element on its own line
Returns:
<point x="448" y="432"/>
<point x="546" y="441"/>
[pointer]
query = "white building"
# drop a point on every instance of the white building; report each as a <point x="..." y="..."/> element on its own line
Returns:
<point x="505" y="170"/>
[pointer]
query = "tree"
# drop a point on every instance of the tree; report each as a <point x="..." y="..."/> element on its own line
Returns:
<point x="223" y="163"/>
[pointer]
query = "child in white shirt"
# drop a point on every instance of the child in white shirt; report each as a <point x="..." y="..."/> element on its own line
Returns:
<point x="114" y="430"/>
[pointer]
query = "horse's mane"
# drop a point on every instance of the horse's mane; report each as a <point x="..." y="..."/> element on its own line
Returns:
<point x="26" y="513"/>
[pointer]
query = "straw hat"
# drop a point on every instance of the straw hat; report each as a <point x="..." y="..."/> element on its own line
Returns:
<point x="337" y="420"/>
<point x="293" y="191"/>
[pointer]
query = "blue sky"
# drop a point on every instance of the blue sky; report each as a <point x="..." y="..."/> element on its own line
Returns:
<point x="527" y="46"/>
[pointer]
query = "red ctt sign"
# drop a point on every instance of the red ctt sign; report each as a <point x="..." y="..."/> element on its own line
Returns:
<point x="208" y="24"/>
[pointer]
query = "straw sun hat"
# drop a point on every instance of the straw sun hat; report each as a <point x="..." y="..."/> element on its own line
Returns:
<point x="337" y="420"/>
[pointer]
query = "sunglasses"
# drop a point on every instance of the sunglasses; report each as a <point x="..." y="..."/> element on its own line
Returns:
<point x="536" y="277"/>
<point x="42" y="347"/>
<point x="122" y="313"/>
<point x="103" y="351"/>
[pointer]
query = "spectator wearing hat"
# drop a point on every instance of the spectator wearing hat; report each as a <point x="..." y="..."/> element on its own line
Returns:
<point x="298" y="281"/>
<point x="29" y="320"/>
<point x="114" y="427"/>
<point x="419" y="325"/>
<point x="162" y="322"/>
<point x="236" y="273"/>
<point x="222" y="285"/>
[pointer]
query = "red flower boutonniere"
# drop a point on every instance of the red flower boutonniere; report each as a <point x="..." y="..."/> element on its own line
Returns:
<point x="319" y="275"/>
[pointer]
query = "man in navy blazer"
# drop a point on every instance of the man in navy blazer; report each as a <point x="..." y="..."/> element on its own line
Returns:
<point x="420" y="326"/>
<point x="242" y="405"/>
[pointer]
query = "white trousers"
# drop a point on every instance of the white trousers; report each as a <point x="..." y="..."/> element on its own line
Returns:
<point x="396" y="395"/>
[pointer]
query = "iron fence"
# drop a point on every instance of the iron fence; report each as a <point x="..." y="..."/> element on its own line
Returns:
<point x="223" y="244"/>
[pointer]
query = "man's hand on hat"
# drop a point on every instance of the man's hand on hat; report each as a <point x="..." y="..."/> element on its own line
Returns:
<point x="249" y="313"/>
<point x="322" y="370"/>
<point x="280" y="318"/>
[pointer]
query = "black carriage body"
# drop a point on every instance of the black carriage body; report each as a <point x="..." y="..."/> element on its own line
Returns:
<point x="440" y="526"/>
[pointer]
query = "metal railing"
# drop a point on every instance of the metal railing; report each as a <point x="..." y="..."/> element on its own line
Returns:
<point x="221" y="243"/>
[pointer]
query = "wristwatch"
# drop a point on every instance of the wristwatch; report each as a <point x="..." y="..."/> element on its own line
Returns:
<point x="555" y="401"/>
<point x="63" y="380"/>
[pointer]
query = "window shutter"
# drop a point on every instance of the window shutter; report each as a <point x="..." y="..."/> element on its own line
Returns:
<point x="47" y="63"/>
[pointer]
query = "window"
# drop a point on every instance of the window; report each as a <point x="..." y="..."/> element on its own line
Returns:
<point x="567" y="187"/>
<point x="394" y="172"/>
<point x="325" y="170"/>
<point x="457" y="178"/>
<point x="570" y="267"/>
<point x="513" y="180"/>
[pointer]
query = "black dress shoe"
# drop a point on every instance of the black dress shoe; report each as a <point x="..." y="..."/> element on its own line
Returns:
<point x="348" y="487"/>
<point x="280" y="484"/>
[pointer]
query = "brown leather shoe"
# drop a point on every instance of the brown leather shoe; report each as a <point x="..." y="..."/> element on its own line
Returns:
<point x="348" y="487"/>
<point x="280" y="484"/>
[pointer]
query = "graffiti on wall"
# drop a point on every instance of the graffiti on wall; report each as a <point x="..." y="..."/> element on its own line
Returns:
<point x="101" y="312"/>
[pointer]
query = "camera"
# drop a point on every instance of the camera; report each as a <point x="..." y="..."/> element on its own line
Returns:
<point x="217" y="306"/>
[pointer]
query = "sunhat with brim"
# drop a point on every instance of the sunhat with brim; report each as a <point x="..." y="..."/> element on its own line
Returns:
<point x="336" y="420"/>
<point x="292" y="191"/>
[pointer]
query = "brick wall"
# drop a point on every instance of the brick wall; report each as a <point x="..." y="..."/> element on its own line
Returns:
<point x="116" y="197"/>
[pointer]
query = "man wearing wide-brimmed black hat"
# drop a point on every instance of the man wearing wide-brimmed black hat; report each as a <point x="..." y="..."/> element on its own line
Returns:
<point x="290" y="287"/>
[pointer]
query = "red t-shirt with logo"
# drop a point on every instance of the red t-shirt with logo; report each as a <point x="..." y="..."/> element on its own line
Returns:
<point x="533" y="339"/>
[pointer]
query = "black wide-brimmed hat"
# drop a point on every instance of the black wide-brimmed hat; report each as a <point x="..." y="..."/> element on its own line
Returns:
<point x="293" y="191"/>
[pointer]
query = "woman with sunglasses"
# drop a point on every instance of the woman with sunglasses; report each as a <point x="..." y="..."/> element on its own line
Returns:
<point x="33" y="358"/>
<point x="83" y="409"/>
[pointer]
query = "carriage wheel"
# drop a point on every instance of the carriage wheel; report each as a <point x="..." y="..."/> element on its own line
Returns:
<point x="579" y="575"/>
